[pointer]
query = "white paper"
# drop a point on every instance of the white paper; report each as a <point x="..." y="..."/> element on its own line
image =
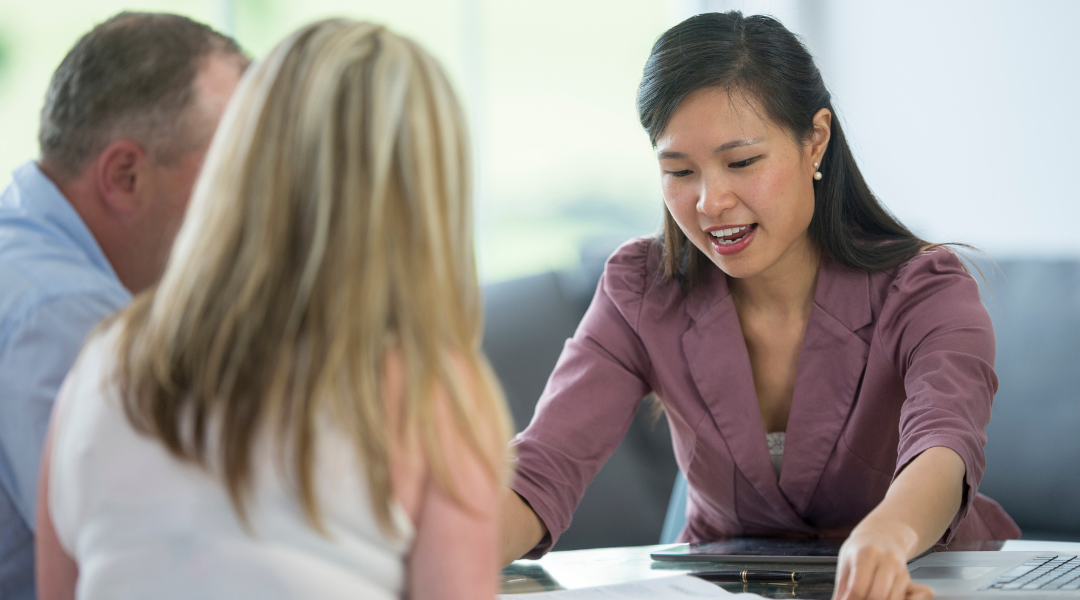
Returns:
<point x="679" y="586"/>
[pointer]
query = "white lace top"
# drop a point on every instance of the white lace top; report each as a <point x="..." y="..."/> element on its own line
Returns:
<point x="776" y="449"/>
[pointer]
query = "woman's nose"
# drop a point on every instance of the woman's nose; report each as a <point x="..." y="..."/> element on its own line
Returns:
<point x="715" y="197"/>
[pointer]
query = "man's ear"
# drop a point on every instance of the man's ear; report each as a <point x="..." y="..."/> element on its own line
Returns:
<point x="119" y="169"/>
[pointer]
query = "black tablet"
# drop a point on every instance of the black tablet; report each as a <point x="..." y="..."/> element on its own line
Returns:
<point x="755" y="549"/>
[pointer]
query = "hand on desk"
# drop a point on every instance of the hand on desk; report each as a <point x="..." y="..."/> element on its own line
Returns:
<point x="873" y="566"/>
<point x="916" y="511"/>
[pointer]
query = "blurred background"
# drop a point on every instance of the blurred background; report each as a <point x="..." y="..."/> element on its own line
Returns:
<point x="962" y="114"/>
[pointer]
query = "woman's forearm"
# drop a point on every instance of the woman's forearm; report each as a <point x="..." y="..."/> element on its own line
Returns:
<point x="922" y="501"/>
<point x="916" y="511"/>
<point x="522" y="530"/>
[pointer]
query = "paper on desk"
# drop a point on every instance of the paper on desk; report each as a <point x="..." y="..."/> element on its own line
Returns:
<point x="679" y="586"/>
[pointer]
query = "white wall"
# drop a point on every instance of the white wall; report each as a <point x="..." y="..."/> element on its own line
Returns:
<point x="964" y="116"/>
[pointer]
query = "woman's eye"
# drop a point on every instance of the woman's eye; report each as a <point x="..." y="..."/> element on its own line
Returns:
<point x="743" y="163"/>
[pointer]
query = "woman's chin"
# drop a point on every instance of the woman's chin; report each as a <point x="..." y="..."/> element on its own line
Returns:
<point x="738" y="266"/>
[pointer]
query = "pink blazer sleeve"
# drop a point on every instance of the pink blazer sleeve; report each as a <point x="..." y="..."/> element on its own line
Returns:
<point x="590" y="399"/>
<point x="943" y="344"/>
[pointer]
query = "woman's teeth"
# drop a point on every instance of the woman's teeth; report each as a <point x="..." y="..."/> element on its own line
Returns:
<point x="720" y="234"/>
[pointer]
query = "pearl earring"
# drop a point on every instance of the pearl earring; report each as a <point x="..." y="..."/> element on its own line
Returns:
<point x="817" y="174"/>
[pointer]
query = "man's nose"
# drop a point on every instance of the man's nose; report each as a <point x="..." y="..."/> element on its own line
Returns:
<point x="715" y="197"/>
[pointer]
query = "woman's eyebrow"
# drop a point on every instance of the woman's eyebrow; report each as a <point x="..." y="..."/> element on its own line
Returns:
<point x="671" y="154"/>
<point x="663" y="154"/>
<point x="737" y="144"/>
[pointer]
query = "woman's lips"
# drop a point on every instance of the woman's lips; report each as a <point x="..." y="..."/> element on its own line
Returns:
<point x="737" y="239"/>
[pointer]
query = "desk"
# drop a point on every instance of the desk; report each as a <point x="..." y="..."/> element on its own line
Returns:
<point x="604" y="566"/>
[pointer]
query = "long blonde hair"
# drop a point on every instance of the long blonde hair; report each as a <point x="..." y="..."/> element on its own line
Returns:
<point x="331" y="225"/>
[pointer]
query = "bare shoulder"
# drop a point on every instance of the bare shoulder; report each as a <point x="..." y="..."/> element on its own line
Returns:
<point x="408" y="469"/>
<point x="473" y="420"/>
<point x="468" y="431"/>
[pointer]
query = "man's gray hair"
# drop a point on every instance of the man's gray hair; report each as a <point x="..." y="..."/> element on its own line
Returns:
<point x="130" y="77"/>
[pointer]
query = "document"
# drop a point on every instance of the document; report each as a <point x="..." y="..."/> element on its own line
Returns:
<point x="668" y="588"/>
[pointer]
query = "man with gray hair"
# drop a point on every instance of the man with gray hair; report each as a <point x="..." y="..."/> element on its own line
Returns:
<point x="127" y="120"/>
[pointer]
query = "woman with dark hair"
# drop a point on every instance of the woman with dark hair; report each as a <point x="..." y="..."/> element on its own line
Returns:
<point x="825" y="372"/>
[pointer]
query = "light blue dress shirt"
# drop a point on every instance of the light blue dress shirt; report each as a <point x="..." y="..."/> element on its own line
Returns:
<point x="55" y="286"/>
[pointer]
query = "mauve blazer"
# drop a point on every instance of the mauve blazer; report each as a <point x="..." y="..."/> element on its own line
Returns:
<point x="893" y="362"/>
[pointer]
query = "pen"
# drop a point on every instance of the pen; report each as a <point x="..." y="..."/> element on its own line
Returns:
<point x="749" y="576"/>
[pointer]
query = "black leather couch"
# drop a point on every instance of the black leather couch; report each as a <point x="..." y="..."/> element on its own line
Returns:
<point x="527" y="321"/>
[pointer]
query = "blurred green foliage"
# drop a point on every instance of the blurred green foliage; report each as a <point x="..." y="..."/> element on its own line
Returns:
<point x="5" y="56"/>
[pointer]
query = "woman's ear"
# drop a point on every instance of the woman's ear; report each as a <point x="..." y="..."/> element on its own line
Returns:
<point x="119" y="168"/>
<point x="819" y="141"/>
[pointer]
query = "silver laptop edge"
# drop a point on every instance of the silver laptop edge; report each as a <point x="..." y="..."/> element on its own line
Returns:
<point x="960" y="575"/>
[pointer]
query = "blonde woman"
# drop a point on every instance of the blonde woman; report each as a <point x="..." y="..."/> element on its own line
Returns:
<point x="300" y="408"/>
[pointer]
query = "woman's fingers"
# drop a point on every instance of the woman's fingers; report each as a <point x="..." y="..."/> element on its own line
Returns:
<point x="870" y="572"/>
<point x="859" y="581"/>
<point x="878" y="581"/>
<point x="918" y="591"/>
<point x="841" y="581"/>
<point x="881" y="588"/>
<point x="901" y="585"/>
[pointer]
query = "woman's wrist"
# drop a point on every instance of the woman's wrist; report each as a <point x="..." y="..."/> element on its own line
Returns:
<point x="921" y="502"/>
<point x="522" y="527"/>
<point x="900" y="533"/>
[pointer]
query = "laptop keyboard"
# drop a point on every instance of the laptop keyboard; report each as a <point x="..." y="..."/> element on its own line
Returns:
<point x="1041" y="573"/>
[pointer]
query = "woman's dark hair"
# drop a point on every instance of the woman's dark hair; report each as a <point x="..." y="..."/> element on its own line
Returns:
<point x="758" y="57"/>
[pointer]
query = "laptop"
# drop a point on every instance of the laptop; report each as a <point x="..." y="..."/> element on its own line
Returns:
<point x="967" y="575"/>
<point x="993" y="575"/>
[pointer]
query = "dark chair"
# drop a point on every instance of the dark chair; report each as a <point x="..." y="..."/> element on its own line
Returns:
<point x="527" y="321"/>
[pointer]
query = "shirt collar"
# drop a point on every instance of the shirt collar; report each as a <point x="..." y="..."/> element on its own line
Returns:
<point x="38" y="196"/>
<point x="842" y="292"/>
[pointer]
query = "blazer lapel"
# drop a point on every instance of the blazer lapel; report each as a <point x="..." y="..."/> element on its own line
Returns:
<point x="720" y="366"/>
<point x="831" y="366"/>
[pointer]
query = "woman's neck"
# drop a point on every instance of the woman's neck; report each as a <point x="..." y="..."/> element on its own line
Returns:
<point x="785" y="289"/>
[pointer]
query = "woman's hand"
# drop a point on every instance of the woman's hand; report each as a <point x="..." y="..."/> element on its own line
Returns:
<point x="873" y="565"/>
<point x="916" y="511"/>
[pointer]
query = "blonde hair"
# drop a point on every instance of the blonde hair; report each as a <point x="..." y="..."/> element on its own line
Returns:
<point x="331" y="226"/>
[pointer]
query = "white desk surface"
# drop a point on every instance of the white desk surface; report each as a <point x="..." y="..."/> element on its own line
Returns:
<point x="603" y="566"/>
